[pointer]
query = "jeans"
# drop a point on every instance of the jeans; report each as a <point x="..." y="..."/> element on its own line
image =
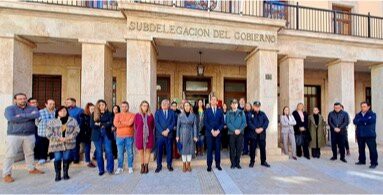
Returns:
<point x="125" y="143"/>
<point x="107" y="143"/>
<point x="62" y="155"/>
<point x="76" y="151"/>
<point x="14" y="143"/>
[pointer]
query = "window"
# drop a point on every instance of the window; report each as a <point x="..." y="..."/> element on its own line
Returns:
<point x="368" y="94"/>
<point x="343" y="19"/>
<point x="46" y="87"/>
<point x="312" y="97"/>
<point x="114" y="93"/>
<point x="163" y="89"/>
<point x="276" y="9"/>
<point x="234" y="89"/>
<point x="196" y="88"/>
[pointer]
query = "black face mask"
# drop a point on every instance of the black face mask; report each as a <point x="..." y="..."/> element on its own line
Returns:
<point x="64" y="119"/>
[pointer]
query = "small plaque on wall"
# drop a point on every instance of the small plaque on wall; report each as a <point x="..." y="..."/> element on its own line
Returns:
<point x="269" y="76"/>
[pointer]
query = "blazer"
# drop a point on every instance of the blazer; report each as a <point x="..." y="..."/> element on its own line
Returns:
<point x="162" y="123"/>
<point x="288" y="123"/>
<point x="258" y="120"/>
<point x="106" y="121"/>
<point x="213" y="121"/>
<point x="338" y="120"/>
<point x="365" y="125"/>
<point x="301" y="123"/>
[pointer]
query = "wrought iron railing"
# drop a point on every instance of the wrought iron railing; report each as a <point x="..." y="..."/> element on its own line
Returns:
<point x="297" y="17"/>
<point x="96" y="4"/>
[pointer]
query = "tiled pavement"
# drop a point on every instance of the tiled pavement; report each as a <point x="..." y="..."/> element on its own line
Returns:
<point x="284" y="176"/>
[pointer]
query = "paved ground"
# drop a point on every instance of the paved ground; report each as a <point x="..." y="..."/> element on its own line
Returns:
<point x="284" y="176"/>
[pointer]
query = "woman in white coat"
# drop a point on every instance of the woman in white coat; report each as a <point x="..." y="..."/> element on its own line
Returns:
<point x="287" y="123"/>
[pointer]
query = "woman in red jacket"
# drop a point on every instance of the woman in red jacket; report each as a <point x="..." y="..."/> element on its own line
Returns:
<point x="144" y="128"/>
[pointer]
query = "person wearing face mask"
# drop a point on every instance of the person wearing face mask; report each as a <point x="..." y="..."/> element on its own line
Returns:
<point x="317" y="128"/>
<point x="338" y="121"/>
<point x="20" y="134"/>
<point x="62" y="133"/>
<point x="187" y="135"/>
<point x="365" y="122"/>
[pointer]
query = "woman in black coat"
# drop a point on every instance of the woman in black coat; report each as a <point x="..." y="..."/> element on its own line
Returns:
<point x="302" y="134"/>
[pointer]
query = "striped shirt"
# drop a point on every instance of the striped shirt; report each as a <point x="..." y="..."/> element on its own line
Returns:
<point x="42" y="121"/>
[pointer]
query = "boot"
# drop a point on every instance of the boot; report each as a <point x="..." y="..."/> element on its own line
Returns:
<point x="146" y="168"/>
<point x="65" y="169"/>
<point x="142" y="169"/>
<point x="201" y="150"/>
<point x="57" y="165"/>
<point x="184" y="169"/>
<point x="189" y="167"/>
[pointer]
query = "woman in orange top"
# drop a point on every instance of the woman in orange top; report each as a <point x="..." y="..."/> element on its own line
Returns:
<point x="124" y="122"/>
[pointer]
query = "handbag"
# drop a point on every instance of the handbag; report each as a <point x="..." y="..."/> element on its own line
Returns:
<point x="299" y="139"/>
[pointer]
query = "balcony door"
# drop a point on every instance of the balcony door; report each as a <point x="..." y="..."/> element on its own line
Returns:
<point x="342" y="19"/>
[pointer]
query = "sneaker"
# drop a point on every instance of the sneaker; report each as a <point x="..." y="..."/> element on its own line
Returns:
<point x="42" y="161"/>
<point x="130" y="170"/>
<point x="36" y="171"/>
<point x="119" y="171"/>
<point x="8" y="179"/>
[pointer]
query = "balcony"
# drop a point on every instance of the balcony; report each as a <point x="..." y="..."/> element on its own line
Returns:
<point x="297" y="17"/>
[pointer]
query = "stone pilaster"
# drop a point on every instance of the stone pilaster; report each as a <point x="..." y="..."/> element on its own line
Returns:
<point x="96" y="72"/>
<point x="16" y="59"/>
<point x="377" y="98"/>
<point x="291" y="84"/>
<point x="141" y="73"/>
<point x="341" y="88"/>
<point x="262" y="86"/>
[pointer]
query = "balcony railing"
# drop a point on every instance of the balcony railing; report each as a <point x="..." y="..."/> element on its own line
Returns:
<point x="96" y="4"/>
<point x="297" y="17"/>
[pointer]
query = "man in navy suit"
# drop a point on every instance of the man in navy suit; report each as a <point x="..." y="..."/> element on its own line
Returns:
<point x="214" y="122"/>
<point x="164" y="122"/>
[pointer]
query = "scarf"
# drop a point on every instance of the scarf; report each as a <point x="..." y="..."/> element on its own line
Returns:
<point x="146" y="129"/>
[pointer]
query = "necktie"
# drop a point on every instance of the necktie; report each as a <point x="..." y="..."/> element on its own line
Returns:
<point x="166" y="114"/>
<point x="213" y="111"/>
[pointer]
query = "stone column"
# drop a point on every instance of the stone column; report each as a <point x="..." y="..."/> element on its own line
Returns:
<point x="377" y="98"/>
<point x="141" y="73"/>
<point x="291" y="84"/>
<point x="16" y="59"/>
<point x="96" y="72"/>
<point x="341" y="88"/>
<point x="262" y="86"/>
<point x="73" y="83"/>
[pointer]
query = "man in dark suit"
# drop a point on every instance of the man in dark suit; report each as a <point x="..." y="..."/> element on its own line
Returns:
<point x="164" y="122"/>
<point x="258" y="123"/>
<point x="214" y="122"/>
<point x="338" y="121"/>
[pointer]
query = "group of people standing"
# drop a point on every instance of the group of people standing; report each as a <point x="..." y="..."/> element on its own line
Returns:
<point x="183" y="131"/>
<point x="305" y="131"/>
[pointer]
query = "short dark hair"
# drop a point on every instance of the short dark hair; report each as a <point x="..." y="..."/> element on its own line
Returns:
<point x="337" y="104"/>
<point x="367" y="103"/>
<point x="60" y="108"/>
<point x="125" y="102"/>
<point x="31" y="98"/>
<point x="46" y="101"/>
<point x="71" y="99"/>
<point x="173" y="102"/>
<point x="18" y="94"/>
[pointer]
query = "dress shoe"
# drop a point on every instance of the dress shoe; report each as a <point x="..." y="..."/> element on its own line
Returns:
<point x="158" y="169"/>
<point x="265" y="164"/>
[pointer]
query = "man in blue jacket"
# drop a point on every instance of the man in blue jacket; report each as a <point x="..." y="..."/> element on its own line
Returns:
<point x="214" y="122"/>
<point x="365" y="122"/>
<point x="20" y="134"/>
<point x="338" y="121"/>
<point x="164" y="122"/>
<point x="258" y="123"/>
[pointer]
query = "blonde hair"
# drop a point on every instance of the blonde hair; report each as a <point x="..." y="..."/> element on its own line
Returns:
<point x="97" y="111"/>
<point x="140" y="109"/>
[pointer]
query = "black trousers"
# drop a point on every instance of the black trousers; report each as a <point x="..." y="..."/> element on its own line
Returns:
<point x="236" y="147"/>
<point x="262" y="148"/>
<point x="305" y="148"/>
<point x="371" y="144"/>
<point x="338" y="140"/>
<point x="225" y="137"/>
<point x="42" y="144"/>
<point x="315" y="152"/>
